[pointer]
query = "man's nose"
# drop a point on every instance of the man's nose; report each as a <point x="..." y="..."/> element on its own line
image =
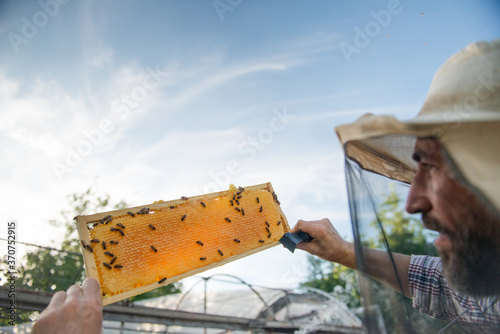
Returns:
<point x="418" y="200"/>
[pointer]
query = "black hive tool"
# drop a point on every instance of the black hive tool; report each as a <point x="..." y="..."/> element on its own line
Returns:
<point x="290" y="240"/>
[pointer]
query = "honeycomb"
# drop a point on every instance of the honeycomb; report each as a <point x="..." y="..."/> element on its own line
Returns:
<point x="137" y="250"/>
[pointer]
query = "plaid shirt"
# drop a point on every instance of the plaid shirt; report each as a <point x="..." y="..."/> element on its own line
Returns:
<point x="432" y="295"/>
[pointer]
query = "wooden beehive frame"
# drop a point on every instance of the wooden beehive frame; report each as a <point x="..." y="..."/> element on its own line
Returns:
<point x="83" y="222"/>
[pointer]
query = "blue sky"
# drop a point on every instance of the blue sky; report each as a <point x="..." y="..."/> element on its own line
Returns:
<point x="246" y="95"/>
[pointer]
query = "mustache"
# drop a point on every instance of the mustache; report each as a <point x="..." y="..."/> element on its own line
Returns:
<point x="434" y="224"/>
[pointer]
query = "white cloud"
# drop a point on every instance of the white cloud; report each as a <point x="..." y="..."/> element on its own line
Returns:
<point x="214" y="80"/>
<point x="8" y="87"/>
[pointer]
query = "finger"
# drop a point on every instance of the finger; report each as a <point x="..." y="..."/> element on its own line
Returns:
<point x="91" y="288"/>
<point x="74" y="292"/>
<point x="309" y="247"/>
<point x="57" y="299"/>
<point x="309" y="227"/>
<point x="299" y="226"/>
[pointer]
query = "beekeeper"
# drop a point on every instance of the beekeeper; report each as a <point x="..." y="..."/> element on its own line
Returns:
<point x="450" y="154"/>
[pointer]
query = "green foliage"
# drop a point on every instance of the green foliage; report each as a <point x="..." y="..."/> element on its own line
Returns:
<point x="334" y="278"/>
<point x="405" y="234"/>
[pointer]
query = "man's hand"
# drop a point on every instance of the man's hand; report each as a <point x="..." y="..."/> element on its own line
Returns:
<point x="79" y="310"/>
<point x="330" y="246"/>
<point x="326" y="243"/>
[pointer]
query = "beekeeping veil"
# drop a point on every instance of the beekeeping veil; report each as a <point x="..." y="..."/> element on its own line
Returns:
<point x="462" y="112"/>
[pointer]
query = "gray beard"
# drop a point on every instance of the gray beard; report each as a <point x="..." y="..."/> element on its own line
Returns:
<point x="472" y="267"/>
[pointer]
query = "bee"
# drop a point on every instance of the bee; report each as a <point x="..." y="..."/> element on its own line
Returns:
<point x="199" y="243"/>
<point x="269" y="235"/>
<point x="267" y="229"/>
<point x="89" y="248"/>
<point x="237" y="202"/>
<point x="267" y="224"/>
<point x="236" y="240"/>
<point x="234" y="197"/>
<point x="279" y="222"/>
<point x="184" y="198"/>
<point x="220" y="252"/>
<point x="113" y="242"/>
<point x="104" y="245"/>
<point x="143" y="211"/>
<point x="203" y="204"/>
<point x="232" y="203"/>
<point x="131" y="214"/>
<point x="121" y="232"/>
<point x="183" y="217"/>
<point x="261" y="241"/>
<point x="109" y="254"/>
<point x="172" y="207"/>
<point x="237" y="209"/>
<point x="203" y="258"/>
<point x="229" y="220"/>
<point x="275" y="197"/>
<point x="152" y="227"/>
<point x="162" y="280"/>
<point x="106" y="265"/>
<point x="153" y="248"/>
<point x="260" y="210"/>
<point x="114" y="229"/>
<point x="82" y="242"/>
<point x="118" y="266"/>
<point x="120" y="225"/>
<point x="238" y="197"/>
<point x="106" y="219"/>
<point x="257" y="200"/>
<point x="113" y="260"/>
<point x="95" y="241"/>
<point x="241" y="189"/>
<point x="242" y="212"/>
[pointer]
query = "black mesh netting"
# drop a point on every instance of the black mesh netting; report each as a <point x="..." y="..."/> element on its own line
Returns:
<point x="379" y="220"/>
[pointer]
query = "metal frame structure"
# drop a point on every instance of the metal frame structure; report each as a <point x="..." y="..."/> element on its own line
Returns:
<point x="37" y="301"/>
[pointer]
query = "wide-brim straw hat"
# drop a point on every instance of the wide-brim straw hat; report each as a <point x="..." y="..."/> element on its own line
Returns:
<point x="461" y="110"/>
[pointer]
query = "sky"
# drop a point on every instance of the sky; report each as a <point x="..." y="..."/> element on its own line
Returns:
<point x="149" y="100"/>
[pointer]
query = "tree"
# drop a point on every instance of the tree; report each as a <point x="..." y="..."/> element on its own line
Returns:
<point x="405" y="234"/>
<point x="334" y="278"/>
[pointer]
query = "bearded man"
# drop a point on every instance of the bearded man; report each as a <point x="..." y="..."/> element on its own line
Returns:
<point x="450" y="156"/>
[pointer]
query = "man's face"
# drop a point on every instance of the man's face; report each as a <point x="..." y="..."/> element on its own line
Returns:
<point x="469" y="235"/>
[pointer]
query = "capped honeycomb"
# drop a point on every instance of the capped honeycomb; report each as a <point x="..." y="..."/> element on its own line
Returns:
<point x="134" y="250"/>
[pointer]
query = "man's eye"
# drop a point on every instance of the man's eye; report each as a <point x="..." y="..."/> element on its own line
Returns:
<point x="426" y="165"/>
